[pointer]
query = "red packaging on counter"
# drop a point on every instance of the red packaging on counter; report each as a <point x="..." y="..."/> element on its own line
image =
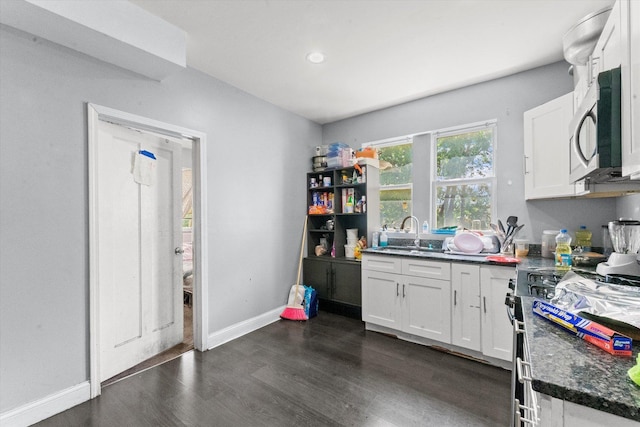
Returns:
<point x="607" y="339"/>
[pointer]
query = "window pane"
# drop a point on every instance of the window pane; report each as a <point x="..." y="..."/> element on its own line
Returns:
<point x="395" y="205"/>
<point x="395" y="164"/>
<point x="466" y="155"/>
<point x="461" y="204"/>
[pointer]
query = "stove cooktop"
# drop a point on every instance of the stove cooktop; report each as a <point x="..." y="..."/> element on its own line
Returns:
<point x="541" y="282"/>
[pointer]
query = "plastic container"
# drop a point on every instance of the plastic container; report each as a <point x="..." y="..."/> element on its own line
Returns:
<point x="606" y="241"/>
<point x="563" y="250"/>
<point x="375" y="241"/>
<point x="384" y="239"/>
<point x="348" y="251"/>
<point x="352" y="233"/>
<point x="548" y="243"/>
<point x="425" y="227"/>
<point x="522" y="247"/>
<point x="583" y="238"/>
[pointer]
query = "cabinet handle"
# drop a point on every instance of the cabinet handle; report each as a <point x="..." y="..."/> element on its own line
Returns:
<point x="397" y="289"/>
<point x="525" y="165"/>
<point x="455" y="297"/>
<point x="333" y="279"/>
<point x="484" y="302"/>
<point x="403" y="293"/>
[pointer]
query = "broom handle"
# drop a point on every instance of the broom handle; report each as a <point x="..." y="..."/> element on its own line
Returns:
<point x="304" y="238"/>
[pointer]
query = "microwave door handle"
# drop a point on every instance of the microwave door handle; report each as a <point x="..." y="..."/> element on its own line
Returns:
<point x="576" y="137"/>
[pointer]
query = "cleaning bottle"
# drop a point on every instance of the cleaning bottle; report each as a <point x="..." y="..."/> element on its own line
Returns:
<point x="563" y="250"/>
<point x="425" y="227"/>
<point x="583" y="238"/>
<point x="384" y="239"/>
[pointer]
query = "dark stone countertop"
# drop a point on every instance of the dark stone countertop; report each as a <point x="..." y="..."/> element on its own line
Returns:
<point x="569" y="368"/>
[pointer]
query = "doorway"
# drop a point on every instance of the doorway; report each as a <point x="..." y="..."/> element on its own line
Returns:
<point x="164" y="135"/>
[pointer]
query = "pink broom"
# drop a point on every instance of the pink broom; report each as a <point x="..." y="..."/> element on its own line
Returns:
<point x="294" y="311"/>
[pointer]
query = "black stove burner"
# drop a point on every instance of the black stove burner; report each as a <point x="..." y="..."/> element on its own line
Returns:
<point x="621" y="279"/>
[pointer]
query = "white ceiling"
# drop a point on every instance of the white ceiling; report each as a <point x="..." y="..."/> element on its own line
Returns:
<point x="379" y="52"/>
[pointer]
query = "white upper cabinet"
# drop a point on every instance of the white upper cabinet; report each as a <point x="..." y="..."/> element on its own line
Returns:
<point x="607" y="53"/>
<point x="630" y="41"/>
<point x="546" y="150"/>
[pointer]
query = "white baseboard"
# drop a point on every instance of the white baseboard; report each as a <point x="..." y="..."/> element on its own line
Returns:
<point x="44" y="408"/>
<point x="239" y="329"/>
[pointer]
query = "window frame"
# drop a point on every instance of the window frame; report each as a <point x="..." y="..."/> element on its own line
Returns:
<point x="491" y="180"/>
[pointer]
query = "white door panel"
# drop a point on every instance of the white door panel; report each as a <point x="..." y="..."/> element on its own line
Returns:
<point x="139" y="274"/>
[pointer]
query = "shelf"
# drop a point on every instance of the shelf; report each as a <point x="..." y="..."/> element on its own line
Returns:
<point x="357" y="184"/>
<point x="325" y="189"/>
<point x="319" y="230"/>
<point x="350" y="214"/>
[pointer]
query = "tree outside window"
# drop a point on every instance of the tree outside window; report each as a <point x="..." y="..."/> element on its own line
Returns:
<point x="396" y="163"/>
<point x="464" y="177"/>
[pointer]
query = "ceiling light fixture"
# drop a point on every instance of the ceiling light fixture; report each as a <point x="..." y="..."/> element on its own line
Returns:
<point x="315" y="57"/>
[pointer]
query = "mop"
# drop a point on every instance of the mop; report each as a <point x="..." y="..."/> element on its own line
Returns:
<point x="295" y="311"/>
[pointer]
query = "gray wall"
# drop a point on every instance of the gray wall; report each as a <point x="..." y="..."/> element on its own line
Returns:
<point x="629" y="207"/>
<point x="504" y="99"/>
<point x="257" y="157"/>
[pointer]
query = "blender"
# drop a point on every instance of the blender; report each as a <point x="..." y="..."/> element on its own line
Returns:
<point x="625" y="239"/>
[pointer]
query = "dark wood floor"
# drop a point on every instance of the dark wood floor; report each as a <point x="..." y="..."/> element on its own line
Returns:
<point x="327" y="371"/>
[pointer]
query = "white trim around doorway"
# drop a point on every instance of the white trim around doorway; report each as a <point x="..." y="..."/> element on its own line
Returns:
<point x="95" y="114"/>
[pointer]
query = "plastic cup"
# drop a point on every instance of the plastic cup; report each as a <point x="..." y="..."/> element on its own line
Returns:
<point x="522" y="248"/>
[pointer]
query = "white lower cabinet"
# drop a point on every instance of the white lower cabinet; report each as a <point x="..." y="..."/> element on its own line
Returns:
<point x="425" y="307"/>
<point x="497" y="331"/>
<point x="465" y="309"/>
<point x="417" y="303"/>
<point x="453" y="303"/>
<point x="554" y="412"/>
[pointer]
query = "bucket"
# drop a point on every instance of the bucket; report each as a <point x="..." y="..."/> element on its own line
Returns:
<point x="352" y="233"/>
<point x="348" y="251"/>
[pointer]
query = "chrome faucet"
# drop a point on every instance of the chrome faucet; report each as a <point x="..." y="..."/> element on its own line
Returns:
<point x="416" y="241"/>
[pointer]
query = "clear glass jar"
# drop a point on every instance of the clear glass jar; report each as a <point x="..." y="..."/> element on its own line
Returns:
<point x="548" y="243"/>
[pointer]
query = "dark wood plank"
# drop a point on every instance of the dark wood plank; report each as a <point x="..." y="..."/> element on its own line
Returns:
<point x="327" y="371"/>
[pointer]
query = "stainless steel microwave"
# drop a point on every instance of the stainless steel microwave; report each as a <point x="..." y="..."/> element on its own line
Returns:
<point x="595" y="132"/>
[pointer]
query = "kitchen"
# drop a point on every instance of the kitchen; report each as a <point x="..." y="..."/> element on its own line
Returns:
<point x="52" y="84"/>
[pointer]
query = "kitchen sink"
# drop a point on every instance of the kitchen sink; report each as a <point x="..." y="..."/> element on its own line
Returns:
<point x="406" y="250"/>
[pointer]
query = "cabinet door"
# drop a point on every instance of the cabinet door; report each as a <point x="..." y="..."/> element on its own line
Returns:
<point x="381" y="298"/>
<point x="317" y="274"/>
<point x="546" y="149"/>
<point x="630" y="22"/>
<point x="465" y="311"/>
<point x="346" y="286"/>
<point x="426" y="307"/>
<point x="497" y="331"/>
<point x="607" y="54"/>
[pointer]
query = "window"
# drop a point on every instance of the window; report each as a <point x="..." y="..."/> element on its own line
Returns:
<point x="463" y="177"/>
<point x="396" y="162"/>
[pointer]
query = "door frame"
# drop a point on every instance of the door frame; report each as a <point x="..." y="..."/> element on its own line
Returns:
<point x="95" y="114"/>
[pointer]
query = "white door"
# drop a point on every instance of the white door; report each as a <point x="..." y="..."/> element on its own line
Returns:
<point x="139" y="230"/>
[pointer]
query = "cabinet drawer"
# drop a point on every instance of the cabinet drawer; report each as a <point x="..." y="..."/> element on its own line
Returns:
<point x="422" y="268"/>
<point x="388" y="264"/>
